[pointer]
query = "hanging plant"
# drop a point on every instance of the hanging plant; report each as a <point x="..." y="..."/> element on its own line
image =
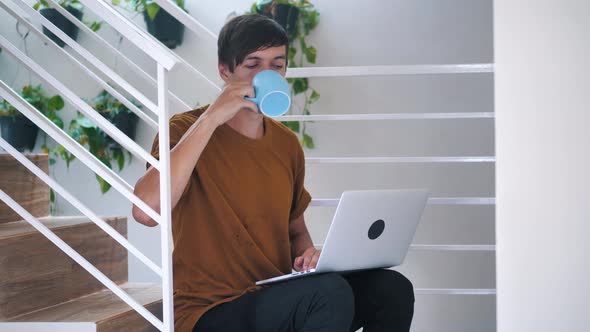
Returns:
<point x="75" y="8"/>
<point x="102" y="146"/>
<point x="165" y="27"/>
<point x="298" y="18"/>
<point x="21" y="132"/>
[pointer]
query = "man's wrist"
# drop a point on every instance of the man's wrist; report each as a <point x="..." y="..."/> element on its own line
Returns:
<point x="209" y="121"/>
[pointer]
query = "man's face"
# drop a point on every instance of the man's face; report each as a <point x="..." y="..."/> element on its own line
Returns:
<point x="274" y="58"/>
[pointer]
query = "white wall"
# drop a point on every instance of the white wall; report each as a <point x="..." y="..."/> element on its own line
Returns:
<point x="542" y="78"/>
<point x="372" y="32"/>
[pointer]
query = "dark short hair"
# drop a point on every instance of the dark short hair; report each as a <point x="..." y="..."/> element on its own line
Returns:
<point x="245" y="34"/>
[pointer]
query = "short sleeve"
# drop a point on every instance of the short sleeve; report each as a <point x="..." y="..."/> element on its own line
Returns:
<point x="301" y="196"/>
<point x="179" y="125"/>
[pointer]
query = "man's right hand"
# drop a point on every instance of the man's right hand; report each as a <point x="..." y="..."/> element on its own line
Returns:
<point x="231" y="101"/>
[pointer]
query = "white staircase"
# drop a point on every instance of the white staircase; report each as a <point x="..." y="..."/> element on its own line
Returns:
<point x="53" y="288"/>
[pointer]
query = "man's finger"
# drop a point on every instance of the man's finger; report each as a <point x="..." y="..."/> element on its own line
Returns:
<point x="306" y="261"/>
<point x="298" y="263"/>
<point x="314" y="260"/>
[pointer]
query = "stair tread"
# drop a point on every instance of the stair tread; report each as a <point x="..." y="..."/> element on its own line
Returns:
<point x="22" y="227"/>
<point x="96" y="307"/>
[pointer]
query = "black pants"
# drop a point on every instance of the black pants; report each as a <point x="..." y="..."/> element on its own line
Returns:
<point x="377" y="300"/>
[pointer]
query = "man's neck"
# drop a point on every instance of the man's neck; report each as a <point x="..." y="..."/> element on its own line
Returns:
<point x="248" y="124"/>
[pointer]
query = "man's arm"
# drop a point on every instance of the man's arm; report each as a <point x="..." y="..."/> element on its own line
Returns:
<point x="306" y="256"/>
<point x="186" y="153"/>
<point x="183" y="158"/>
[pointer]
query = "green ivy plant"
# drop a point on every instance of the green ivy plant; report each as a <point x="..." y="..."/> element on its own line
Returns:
<point x="75" y="4"/>
<point x="36" y="96"/>
<point x="307" y="20"/>
<point x="85" y="132"/>
<point x="150" y="6"/>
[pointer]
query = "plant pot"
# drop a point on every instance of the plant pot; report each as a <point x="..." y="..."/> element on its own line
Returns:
<point x="62" y="23"/>
<point x="165" y="28"/>
<point x="285" y="15"/>
<point x="19" y="131"/>
<point x="126" y="122"/>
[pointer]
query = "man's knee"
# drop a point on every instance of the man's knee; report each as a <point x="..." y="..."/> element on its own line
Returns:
<point x="336" y="289"/>
<point x="396" y="287"/>
<point x="334" y="296"/>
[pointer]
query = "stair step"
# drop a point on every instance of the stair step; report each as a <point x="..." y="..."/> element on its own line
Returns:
<point x="35" y="274"/>
<point x="102" y="311"/>
<point x="23" y="186"/>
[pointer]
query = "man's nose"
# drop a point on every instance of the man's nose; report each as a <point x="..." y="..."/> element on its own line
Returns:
<point x="265" y="67"/>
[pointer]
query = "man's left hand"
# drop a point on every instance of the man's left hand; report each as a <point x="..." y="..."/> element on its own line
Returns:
<point x="308" y="260"/>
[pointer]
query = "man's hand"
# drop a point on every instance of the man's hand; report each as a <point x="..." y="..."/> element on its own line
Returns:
<point x="231" y="101"/>
<point x="308" y="260"/>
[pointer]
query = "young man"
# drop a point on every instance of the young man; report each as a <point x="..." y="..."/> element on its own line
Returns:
<point x="238" y="200"/>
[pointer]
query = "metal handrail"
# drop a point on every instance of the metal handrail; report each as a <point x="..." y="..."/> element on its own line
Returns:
<point x="186" y="19"/>
<point x="59" y="189"/>
<point x="104" y="43"/>
<point x="431" y="201"/>
<point x="63" y="246"/>
<point x="74" y="147"/>
<point x="138" y="37"/>
<point x="164" y="219"/>
<point x="89" y="57"/>
<point x="388" y="116"/>
<point x="396" y="160"/>
<point x="389" y="70"/>
<point x="81" y="105"/>
<point x="90" y="73"/>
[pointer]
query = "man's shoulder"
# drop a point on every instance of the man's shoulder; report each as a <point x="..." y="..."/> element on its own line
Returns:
<point x="188" y="117"/>
<point x="284" y="132"/>
<point x="183" y="121"/>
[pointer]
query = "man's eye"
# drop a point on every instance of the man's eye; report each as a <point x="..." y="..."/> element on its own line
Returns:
<point x="251" y="66"/>
<point x="279" y="67"/>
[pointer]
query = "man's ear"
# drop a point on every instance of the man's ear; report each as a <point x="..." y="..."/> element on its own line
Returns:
<point x="224" y="72"/>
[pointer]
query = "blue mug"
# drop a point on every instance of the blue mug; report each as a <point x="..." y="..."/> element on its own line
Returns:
<point x="272" y="93"/>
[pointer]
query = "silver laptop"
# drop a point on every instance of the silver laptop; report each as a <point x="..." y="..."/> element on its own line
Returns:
<point x="371" y="229"/>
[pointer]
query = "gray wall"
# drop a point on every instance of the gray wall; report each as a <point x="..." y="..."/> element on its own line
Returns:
<point x="354" y="33"/>
<point x="542" y="52"/>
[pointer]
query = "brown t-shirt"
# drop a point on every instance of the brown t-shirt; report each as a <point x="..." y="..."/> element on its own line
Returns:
<point x="231" y="226"/>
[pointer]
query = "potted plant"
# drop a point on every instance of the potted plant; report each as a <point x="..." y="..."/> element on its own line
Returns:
<point x="284" y="12"/>
<point x="117" y="113"/>
<point x="160" y="24"/>
<point x="85" y="132"/>
<point x="69" y="28"/>
<point x="17" y="129"/>
<point x="298" y="18"/>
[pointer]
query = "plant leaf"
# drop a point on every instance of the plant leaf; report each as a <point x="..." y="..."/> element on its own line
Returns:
<point x="308" y="141"/>
<point x="104" y="186"/>
<point x="56" y="103"/>
<point x="95" y="26"/>
<point x="310" y="54"/>
<point x="315" y="96"/>
<point x="84" y="122"/>
<point x="293" y="125"/>
<point x="58" y="122"/>
<point x="152" y="10"/>
<point x="292" y="52"/>
<point x="299" y="85"/>
<point x="120" y="157"/>
<point x="310" y="21"/>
